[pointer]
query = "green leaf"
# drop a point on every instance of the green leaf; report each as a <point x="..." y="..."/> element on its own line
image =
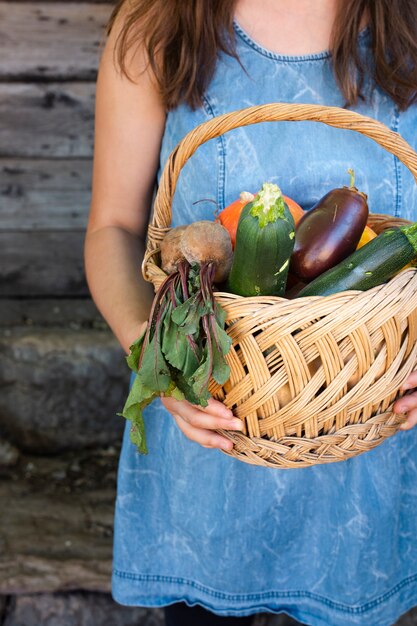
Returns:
<point x="221" y="370"/>
<point x="221" y="343"/>
<point x="168" y="332"/>
<point x="200" y="380"/>
<point x="138" y="394"/>
<point x="154" y="372"/>
<point x="180" y="313"/>
<point x="194" y="278"/>
<point x="137" y="436"/>
<point x="220" y="315"/>
<point x="177" y="349"/>
<point x="184" y="388"/>
<point x="132" y="359"/>
<point x="177" y="394"/>
<point x="191" y="362"/>
<point x="139" y="397"/>
<point x="191" y="323"/>
<point x="184" y="360"/>
<point x="222" y="339"/>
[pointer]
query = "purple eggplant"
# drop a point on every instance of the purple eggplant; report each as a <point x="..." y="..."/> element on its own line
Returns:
<point x="329" y="232"/>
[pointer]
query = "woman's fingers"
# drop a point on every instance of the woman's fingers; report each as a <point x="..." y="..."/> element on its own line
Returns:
<point x="198" y="422"/>
<point x="411" y="420"/>
<point x="407" y="404"/>
<point x="410" y="382"/>
<point x="206" y="438"/>
<point x="213" y="417"/>
<point x="205" y="419"/>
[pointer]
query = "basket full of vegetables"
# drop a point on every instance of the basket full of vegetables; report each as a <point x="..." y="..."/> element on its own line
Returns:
<point x="304" y="324"/>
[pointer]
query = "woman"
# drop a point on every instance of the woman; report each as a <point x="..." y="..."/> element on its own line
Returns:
<point x="329" y="545"/>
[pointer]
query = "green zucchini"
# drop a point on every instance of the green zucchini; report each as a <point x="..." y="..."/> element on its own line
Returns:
<point x="373" y="264"/>
<point x="264" y="243"/>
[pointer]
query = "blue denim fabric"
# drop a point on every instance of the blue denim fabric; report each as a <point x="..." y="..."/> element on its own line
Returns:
<point x="330" y="545"/>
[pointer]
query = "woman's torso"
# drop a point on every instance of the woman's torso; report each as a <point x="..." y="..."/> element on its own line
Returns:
<point x="330" y="544"/>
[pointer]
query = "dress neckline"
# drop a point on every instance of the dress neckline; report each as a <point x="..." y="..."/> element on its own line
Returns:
<point x="288" y="58"/>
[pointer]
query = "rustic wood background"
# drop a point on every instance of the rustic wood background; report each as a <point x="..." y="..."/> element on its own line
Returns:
<point x="56" y="531"/>
<point x="48" y="62"/>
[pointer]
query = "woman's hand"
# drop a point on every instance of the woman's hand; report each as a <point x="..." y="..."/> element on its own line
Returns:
<point x="198" y="423"/>
<point x="408" y="404"/>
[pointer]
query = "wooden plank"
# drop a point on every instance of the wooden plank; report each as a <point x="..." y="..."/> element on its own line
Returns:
<point x="47" y="120"/>
<point x="58" y="40"/>
<point x="44" y="194"/>
<point x="71" y="313"/>
<point x="42" y="263"/>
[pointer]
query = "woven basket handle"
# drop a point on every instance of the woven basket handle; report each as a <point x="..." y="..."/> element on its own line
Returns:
<point x="332" y="116"/>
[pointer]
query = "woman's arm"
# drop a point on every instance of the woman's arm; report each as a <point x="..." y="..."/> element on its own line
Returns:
<point x="130" y="120"/>
<point x="129" y="124"/>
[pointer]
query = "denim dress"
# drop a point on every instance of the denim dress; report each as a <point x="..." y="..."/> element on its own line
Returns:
<point x="330" y="545"/>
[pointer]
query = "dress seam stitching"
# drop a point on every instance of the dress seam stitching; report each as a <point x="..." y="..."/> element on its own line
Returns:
<point x="397" y="168"/>
<point x="221" y="149"/>
<point x="271" y="594"/>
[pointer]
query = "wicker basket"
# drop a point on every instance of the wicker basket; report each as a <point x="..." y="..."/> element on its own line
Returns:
<point x="314" y="378"/>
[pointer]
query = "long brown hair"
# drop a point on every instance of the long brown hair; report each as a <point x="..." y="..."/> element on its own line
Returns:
<point x="182" y="39"/>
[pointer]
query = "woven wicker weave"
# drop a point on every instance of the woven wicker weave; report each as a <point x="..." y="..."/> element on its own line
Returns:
<point x="313" y="379"/>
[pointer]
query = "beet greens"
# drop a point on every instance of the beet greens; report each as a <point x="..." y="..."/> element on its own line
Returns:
<point x="183" y="347"/>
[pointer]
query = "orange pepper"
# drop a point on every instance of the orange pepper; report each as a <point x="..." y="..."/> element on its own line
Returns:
<point x="229" y="217"/>
<point x="367" y="235"/>
<point x="296" y="211"/>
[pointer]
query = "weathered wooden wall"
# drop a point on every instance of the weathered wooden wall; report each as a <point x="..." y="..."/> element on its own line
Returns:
<point x="48" y="62"/>
<point x="49" y="53"/>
